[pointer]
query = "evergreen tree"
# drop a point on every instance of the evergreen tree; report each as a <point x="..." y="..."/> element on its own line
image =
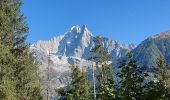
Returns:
<point x="163" y="77"/>
<point x="132" y="77"/>
<point x="154" y="90"/>
<point x="159" y="88"/>
<point x="19" y="64"/>
<point x="7" y="83"/>
<point x="104" y="69"/>
<point x="78" y="89"/>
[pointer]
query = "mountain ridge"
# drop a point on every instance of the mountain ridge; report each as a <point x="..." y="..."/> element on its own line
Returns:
<point x="75" y="33"/>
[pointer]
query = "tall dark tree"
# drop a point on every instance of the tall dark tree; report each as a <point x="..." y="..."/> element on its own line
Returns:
<point x="159" y="88"/>
<point x="21" y="65"/>
<point x="7" y="83"/>
<point x="132" y="77"/>
<point x="78" y="88"/>
<point x="101" y="57"/>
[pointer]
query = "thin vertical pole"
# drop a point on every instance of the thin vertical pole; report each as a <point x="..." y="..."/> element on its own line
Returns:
<point x="48" y="77"/>
<point x="94" y="83"/>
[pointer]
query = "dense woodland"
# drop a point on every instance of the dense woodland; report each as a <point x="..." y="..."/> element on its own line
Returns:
<point x="19" y="78"/>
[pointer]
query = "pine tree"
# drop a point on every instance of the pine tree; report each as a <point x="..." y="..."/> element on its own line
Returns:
<point x="78" y="89"/>
<point x="104" y="69"/>
<point x="132" y="77"/>
<point x="27" y="85"/>
<point x="163" y="77"/>
<point x="7" y="83"/>
<point x="21" y="65"/>
<point x="159" y="89"/>
<point x="154" y="91"/>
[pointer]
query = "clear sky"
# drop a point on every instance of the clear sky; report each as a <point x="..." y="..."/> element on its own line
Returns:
<point x="127" y="21"/>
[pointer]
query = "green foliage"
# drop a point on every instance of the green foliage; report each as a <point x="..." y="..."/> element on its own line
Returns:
<point x="104" y="69"/>
<point x="154" y="91"/>
<point x="78" y="89"/>
<point x="132" y="78"/>
<point x="18" y="70"/>
<point x="27" y="85"/>
<point x="159" y="89"/>
<point x="7" y="89"/>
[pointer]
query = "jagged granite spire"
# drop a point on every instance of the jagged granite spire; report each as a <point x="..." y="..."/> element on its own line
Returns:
<point x="76" y="29"/>
<point x="84" y="30"/>
<point x="80" y="44"/>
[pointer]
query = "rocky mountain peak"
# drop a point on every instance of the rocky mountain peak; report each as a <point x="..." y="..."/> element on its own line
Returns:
<point x="84" y="30"/>
<point x="76" y="29"/>
<point x="80" y="43"/>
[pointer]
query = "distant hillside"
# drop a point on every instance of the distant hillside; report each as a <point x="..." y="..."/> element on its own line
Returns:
<point x="152" y="48"/>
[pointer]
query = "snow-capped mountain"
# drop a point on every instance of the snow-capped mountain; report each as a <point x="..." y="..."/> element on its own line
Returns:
<point x="77" y="43"/>
<point x="73" y="47"/>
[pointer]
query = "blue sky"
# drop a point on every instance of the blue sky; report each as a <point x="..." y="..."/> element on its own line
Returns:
<point x="127" y="21"/>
